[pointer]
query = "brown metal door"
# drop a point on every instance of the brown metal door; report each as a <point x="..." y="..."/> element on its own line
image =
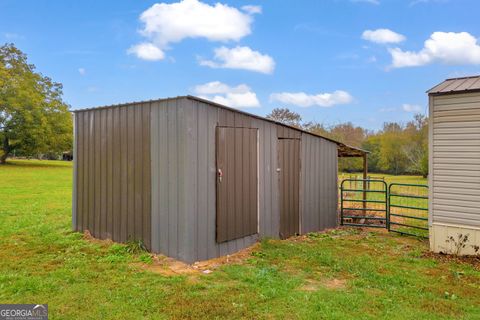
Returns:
<point x="237" y="183"/>
<point x="289" y="184"/>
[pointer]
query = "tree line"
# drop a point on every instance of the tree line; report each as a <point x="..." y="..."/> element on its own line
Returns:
<point x="397" y="148"/>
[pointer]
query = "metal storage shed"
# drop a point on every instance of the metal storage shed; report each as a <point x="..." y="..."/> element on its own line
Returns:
<point x="196" y="180"/>
<point x="454" y="162"/>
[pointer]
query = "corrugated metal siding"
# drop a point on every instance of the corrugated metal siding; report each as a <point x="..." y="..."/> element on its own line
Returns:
<point x="236" y="157"/>
<point x="289" y="180"/>
<point x="191" y="234"/>
<point x="166" y="148"/>
<point x="269" y="198"/>
<point x="455" y="167"/>
<point x="318" y="189"/>
<point x="112" y="185"/>
<point x="287" y="133"/>
<point x="118" y="146"/>
<point x="185" y="128"/>
<point x="169" y="173"/>
<point x="75" y="176"/>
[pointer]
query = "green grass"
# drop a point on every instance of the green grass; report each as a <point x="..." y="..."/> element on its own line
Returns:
<point x="342" y="274"/>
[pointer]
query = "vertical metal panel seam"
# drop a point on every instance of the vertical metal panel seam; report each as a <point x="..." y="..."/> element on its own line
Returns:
<point x="308" y="191"/>
<point x="147" y="215"/>
<point x="169" y="202"/>
<point x="109" y="233"/>
<point x="321" y="159"/>
<point x="192" y="240"/>
<point x="197" y="186"/>
<point x="124" y="169"/>
<point x="74" y="178"/>
<point x="103" y="176"/>
<point x="335" y="159"/>
<point x="153" y="186"/>
<point x="430" y="161"/>
<point x="139" y="174"/>
<point x="85" y="170"/>
<point x="97" y="175"/>
<point x="80" y="192"/>
<point x="180" y="169"/>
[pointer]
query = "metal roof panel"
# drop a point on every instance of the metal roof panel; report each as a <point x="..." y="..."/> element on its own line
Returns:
<point x="455" y="85"/>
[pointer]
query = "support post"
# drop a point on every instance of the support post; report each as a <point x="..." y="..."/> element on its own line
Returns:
<point x="365" y="184"/>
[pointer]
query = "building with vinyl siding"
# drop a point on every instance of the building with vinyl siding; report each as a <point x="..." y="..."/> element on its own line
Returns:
<point x="195" y="180"/>
<point x="454" y="164"/>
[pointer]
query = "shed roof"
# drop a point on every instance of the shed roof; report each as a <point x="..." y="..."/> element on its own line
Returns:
<point x="456" y="85"/>
<point x="344" y="150"/>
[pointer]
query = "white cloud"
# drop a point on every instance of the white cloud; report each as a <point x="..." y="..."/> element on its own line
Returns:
<point x="240" y="96"/>
<point x="302" y="99"/>
<point x="170" y="23"/>
<point x="387" y="109"/>
<point x="415" y="2"/>
<point x="240" y="58"/>
<point x="82" y="71"/>
<point x="411" y="108"/>
<point x="212" y="88"/>
<point x="252" y="9"/>
<point x="376" y="2"/>
<point x="383" y="36"/>
<point x="147" y="51"/>
<point x="402" y="58"/>
<point x="12" y="36"/>
<point x="444" y="47"/>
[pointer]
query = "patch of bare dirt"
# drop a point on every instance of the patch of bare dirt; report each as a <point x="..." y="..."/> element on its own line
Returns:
<point x="471" y="260"/>
<point x="335" y="283"/>
<point x="170" y="267"/>
<point x="310" y="285"/>
<point x="332" y="284"/>
<point x="235" y="258"/>
<point x="88" y="236"/>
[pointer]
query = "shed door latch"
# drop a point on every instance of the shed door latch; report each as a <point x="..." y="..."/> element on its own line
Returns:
<point x="220" y="175"/>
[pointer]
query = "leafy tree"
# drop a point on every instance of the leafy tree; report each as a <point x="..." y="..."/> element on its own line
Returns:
<point x="392" y="157"/>
<point x="34" y="120"/>
<point x="317" y="128"/>
<point x="284" y="115"/>
<point x="416" y="149"/>
<point x="372" y="144"/>
<point x="348" y="134"/>
<point x="352" y="136"/>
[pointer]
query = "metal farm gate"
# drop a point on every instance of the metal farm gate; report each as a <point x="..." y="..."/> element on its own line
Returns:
<point x="363" y="203"/>
<point x="401" y="208"/>
<point x="408" y="209"/>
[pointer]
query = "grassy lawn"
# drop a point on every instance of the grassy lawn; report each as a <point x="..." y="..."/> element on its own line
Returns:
<point x="341" y="274"/>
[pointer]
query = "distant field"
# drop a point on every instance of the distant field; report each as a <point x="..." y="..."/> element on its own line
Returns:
<point x="340" y="274"/>
<point x="387" y="178"/>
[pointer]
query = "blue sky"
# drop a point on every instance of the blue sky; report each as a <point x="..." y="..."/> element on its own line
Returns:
<point x="332" y="61"/>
